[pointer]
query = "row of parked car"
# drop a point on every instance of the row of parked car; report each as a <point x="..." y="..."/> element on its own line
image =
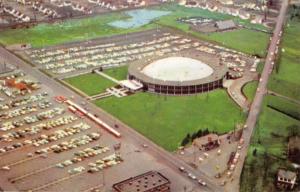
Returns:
<point x="83" y="155"/>
<point x="66" y="60"/>
<point x="59" y="134"/>
<point x="23" y="101"/>
<point x="35" y="129"/>
<point x="100" y="164"/>
<point x="105" y="162"/>
<point x="45" y="139"/>
<point x="24" y="110"/>
<point x="70" y="144"/>
<point x="49" y="114"/>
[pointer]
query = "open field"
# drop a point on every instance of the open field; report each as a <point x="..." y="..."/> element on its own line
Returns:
<point x="91" y="84"/>
<point x="249" y="90"/>
<point x="167" y="119"/>
<point x="98" y="26"/>
<point x="287" y="80"/>
<point x="119" y="73"/>
<point x="276" y="121"/>
<point x="243" y="40"/>
<point x="68" y="31"/>
<point x="270" y="141"/>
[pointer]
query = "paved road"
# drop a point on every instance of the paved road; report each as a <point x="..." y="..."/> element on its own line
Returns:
<point x="165" y="157"/>
<point x="235" y="90"/>
<point x="262" y="87"/>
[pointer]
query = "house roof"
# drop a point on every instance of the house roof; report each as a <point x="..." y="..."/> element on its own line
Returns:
<point x="286" y="174"/>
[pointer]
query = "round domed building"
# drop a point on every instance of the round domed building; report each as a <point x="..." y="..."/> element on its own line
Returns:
<point x="179" y="75"/>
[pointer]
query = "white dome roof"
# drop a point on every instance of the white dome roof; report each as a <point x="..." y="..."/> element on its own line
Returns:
<point x="177" y="69"/>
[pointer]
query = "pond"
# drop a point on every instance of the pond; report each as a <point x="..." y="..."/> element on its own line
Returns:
<point x="139" y="18"/>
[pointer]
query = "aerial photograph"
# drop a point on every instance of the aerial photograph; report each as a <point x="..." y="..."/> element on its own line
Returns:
<point x="150" y="95"/>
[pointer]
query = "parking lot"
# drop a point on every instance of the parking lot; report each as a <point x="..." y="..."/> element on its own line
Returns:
<point x="69" y="60"/>
<point x="45" y="146"/>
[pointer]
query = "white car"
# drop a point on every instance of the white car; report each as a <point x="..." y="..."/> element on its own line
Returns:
<point x="201" y="182"/>
<point x="182" y="169"/>
<point x="192" y="176"/>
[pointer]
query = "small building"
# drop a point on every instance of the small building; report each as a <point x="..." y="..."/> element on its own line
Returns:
<point x="225" y="25"/>
<point x="208" y="142"/>
<point x="286" y="180"/>
<point x="151" y="181"/>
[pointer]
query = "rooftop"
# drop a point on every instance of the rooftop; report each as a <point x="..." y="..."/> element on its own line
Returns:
<point x="177" y="69"/>
<point x="286" y="174"/>
<point x="141" y="183"/>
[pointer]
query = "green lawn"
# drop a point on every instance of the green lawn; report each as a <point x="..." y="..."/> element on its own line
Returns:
<point x="243" y="40"/>
<point x="68" y="31"/>
<point x="167" y="119"/>
<point x="270" y="141"/>
<point x="287" y="80"/>
<point x="90" y="83"/>
<point x="119" y="73"/>
<point x="285" y="106"/>
<point x="271" y="134"/>
<point x="94" y="27"/>
<point x="249" y="90"/>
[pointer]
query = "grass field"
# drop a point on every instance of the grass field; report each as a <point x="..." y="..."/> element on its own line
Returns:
<point x="68" y="31"/>
<point x="97" y="26"/>
<point x="249" y="90"/>
<point x="270" y="141"/>
<point x="90" y="83"/>
<point x="287" y="80"/>
<point x="167" y="119"/>
<point x="119" y="73"/>
<point x="244" y="40"/>
<point x="241" y="40"/>
<point x="275" y="126"/>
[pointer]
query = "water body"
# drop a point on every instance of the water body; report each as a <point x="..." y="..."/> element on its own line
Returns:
<point x="139" y="18"/>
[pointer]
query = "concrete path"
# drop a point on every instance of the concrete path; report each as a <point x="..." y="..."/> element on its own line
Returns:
<point x="107" y="77"/>
<point x="235" y="89"/>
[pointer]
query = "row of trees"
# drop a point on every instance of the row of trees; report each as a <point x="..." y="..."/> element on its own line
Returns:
<point x="190" y="137"/>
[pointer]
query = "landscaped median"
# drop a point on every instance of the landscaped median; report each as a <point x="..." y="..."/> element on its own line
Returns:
<point x="249" y="90"/>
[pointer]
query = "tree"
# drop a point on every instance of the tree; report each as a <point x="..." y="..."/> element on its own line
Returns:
<point x="199" y="133"/>
<point x="186" y="140"/>
<point x="205" y="132"/>
<point x="294" y="130"/>
<point x="254" y="152"/>
<point x="194" y="136"/>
